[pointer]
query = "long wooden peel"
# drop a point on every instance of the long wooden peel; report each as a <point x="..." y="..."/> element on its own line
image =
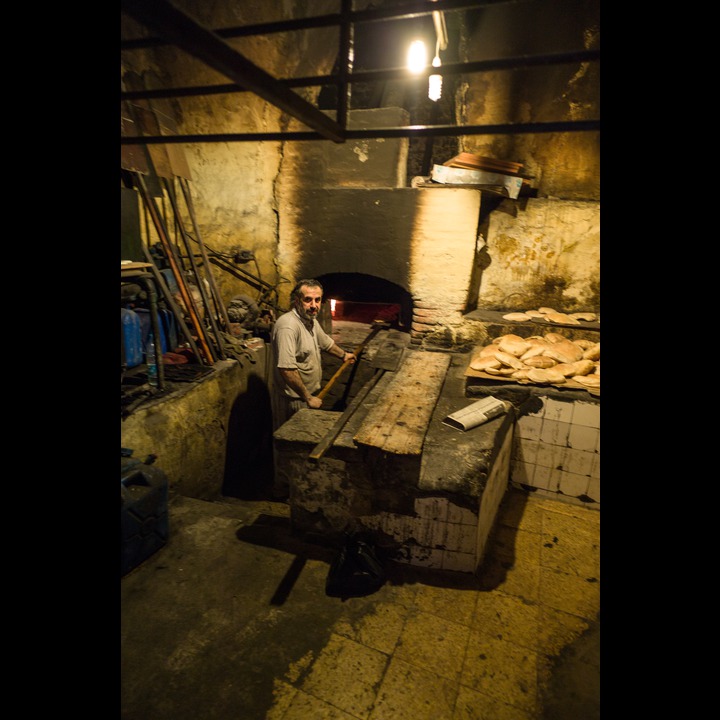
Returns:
<point x="200" y="285"/>
<point x="322" y="447"/>
<point x="386" y="359"/>
<point x="378" y="325"/>
<point x="185" y="186"/>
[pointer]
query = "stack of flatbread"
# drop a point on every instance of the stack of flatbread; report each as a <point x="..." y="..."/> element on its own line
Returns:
<point x="549" y="359"/>
<point x="553" y="316"/>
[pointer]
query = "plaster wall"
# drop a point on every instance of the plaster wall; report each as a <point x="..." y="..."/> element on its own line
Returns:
<point x="562" y="165"/>
<point x="543" y="252"/>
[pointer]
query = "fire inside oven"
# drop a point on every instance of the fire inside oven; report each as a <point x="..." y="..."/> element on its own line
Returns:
<point x="364" y="312"/>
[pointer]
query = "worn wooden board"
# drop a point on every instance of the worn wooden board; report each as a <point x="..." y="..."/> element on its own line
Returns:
<point x="399" y="421"/>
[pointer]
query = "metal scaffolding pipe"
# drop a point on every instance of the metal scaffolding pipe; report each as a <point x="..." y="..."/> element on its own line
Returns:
<point x="390" y="74"/>
<point x="399" y="12"/>
<point x="409" y="131"/>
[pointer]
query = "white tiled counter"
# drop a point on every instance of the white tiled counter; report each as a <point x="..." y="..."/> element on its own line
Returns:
<point x="556" y="451"/>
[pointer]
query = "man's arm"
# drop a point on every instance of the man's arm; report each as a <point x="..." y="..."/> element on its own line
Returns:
<point x="293" y="379"/>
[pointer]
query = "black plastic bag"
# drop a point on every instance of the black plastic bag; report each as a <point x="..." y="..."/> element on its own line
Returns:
<point x="355" y="571"/>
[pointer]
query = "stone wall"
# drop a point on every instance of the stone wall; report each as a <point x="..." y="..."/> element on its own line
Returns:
<point x="211" y="437"/>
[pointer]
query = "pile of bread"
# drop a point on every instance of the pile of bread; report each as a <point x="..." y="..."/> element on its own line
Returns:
<point x="551" y="315"/>
<point x="542" y="359"/>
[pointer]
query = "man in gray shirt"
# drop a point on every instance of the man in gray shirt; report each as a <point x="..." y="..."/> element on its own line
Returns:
<point x="297" y="341"/>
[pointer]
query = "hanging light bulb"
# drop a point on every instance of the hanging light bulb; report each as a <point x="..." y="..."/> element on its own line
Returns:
<point x="416" y="57"/>
<point x="441" y="43"/>
<point x="435" y="81"/>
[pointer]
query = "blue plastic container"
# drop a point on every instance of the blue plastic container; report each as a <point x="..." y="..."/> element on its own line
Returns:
<point x="132" y="338"/>
<point x="146" y="324"/>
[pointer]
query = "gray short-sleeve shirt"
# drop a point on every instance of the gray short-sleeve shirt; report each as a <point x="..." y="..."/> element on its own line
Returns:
<point x="297" y="348"/>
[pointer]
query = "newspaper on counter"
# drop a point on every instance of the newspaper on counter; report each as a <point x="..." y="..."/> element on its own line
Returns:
<point x="477" y="413"/>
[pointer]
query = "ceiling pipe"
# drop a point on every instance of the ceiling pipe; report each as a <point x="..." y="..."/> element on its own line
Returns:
<point x="511" y="63"/>
<point x="409" y="131"/>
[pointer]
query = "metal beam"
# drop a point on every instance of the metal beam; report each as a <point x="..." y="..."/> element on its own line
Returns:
<point x="181" y="30"/>
<point x="408" y="131"/>
<point x="511" y="63"/>
<point x="403" y="11"/>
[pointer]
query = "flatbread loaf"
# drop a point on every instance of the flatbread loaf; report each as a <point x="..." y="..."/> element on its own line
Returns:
<point x="504" y="371"/>
<point x="509" y="360"/>
<point x="483" y="363"/>
<point x="561" y="318"/>
<point x="555" y="377"/>
<point x="584" y="367"/>
<point x="514" y="345"/>
<point x="567" y="369"/>
<point x="550" y="375"/>
<point x="521" y="374"/>
<point x="564" y="352"/>
<point x="517" y="317"/>
<point x="540" y="361"/>
<point x="487" y="350"/>
<point x="588" y="380"/>
<point x="533" y="351"/>
<point x="592" y="353"/>
<point x="587" y="316"/>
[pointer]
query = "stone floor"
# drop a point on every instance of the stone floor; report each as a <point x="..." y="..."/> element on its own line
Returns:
<point x="229" y="620"/>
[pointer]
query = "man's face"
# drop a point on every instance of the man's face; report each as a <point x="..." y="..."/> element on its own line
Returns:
<point x="308" y="306"/>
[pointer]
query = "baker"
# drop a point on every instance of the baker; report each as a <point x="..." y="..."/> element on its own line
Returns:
<point x="297" y="342"/>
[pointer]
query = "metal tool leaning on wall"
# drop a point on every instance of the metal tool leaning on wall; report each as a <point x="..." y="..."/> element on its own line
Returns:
<point x="188" y="300"/>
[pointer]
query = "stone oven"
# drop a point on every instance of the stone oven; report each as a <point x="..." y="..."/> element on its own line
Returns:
<point x="408" y="246"/>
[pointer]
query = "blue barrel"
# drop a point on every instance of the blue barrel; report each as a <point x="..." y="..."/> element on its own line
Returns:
<point x="131" y="337"/>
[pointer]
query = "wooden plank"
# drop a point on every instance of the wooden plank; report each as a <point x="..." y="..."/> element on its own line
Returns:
<point x="398" y="422"/>
<point x="329" y="438"/>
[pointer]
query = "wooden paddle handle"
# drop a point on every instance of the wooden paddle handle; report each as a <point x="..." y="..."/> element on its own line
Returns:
<point x="378" y="325"/>
<point x="333" y="379"/>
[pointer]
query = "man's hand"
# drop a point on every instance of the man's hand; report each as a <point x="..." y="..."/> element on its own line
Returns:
<point x="349" y="357"/>
<point x="314" y="402"/>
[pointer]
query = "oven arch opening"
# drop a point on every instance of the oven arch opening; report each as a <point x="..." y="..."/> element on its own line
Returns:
<point x="358" y="297"/>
